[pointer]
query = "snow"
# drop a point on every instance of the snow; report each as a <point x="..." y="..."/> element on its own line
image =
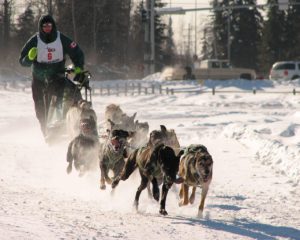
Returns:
<point x="253" y="139"/>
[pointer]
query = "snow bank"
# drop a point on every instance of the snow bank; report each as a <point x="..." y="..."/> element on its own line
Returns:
<point x="284" y="159"/>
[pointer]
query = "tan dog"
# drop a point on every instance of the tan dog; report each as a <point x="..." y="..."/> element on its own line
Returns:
<point x="81" y="110"/>
<point x="121" y="120"/>
<point x="114" y="113"/>
<point x="195" y="168"/>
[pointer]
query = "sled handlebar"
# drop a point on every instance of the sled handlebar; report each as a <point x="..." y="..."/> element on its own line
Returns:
<point x="72" y="70"/>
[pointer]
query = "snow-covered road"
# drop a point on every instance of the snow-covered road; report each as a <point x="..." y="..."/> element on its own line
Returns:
<point x="255" y="194"/>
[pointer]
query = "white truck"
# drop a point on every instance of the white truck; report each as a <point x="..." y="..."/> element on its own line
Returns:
<point x="212" y="69"/>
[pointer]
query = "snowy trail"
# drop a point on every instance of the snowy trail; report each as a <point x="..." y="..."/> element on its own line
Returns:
<point x="247" y="200"/>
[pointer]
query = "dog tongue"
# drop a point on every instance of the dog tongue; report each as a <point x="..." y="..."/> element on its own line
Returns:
<point x="115" y="143"/>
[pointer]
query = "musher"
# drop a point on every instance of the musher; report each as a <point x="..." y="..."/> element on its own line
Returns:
<point x="45" y="52"/>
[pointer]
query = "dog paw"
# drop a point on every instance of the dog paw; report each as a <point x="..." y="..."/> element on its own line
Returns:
<point x="156" y="195"/>
<point x="108" y="180"/>
<point x="115" y="183"/>
<point x="69" y="169"/>
<point x="136" y="206"/>
<point x="163" y="212"/>
<point x="191" y="200"/>
<point x="182" y="203"/>
<point x="112" y="192"/>
<point x="200" y="214"/>
<point x="102" y="186"/>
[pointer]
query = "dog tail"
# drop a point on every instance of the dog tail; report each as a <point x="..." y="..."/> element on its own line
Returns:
<point x="130" y="166"/>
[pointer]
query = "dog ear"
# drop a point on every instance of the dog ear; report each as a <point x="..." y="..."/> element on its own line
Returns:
<point x="181" y="152"/>
<point x="112" y="124"/>
<point x="133" y="116"/>
<point x="163" y="128"/>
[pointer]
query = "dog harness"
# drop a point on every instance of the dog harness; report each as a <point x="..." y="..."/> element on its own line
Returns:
<point x="112" y="155"/>
<point x="193" y="148"/>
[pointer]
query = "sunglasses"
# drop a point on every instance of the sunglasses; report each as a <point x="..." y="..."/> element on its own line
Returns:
<point x="47" y="25"/>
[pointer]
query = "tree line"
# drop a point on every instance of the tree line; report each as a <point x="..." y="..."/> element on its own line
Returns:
<point x="111" y="33"/>
<point x="256" y="38"/>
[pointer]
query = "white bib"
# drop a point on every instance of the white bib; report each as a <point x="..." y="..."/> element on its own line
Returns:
<point x="51" y="52"/>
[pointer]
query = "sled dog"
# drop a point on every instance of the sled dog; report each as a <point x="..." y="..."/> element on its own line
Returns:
<point x="195" y="168"/>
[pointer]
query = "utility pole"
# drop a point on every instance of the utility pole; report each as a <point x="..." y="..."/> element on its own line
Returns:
<point x="149" y="38"/>
<point x="74" y="20"/>
<point x="152" y="37"/>
<point x="50" y="7"/>
<point x="195" y="29"/>
<point x="145" y="19"/>
<point x="6" y="23"/>
<point x="189" y="41"/>
<point x="94" y="31"/>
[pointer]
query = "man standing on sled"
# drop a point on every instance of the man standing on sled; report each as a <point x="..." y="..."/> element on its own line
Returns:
<point x="45" y="52"/>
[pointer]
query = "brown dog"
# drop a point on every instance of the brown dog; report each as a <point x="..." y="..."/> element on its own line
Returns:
<point x="196" y="166"/>
<point x="154" y="162"/>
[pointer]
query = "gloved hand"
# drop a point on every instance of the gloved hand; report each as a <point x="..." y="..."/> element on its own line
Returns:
<point x="79" y="75"/>
<point x="77" y="70"/>
<point x="32" y="53"/>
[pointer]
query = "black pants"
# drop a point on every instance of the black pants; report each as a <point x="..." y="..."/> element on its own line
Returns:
<point x="40" y="90"/>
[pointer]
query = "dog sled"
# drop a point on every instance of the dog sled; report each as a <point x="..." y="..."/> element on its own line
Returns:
<point x="56" y="109"/>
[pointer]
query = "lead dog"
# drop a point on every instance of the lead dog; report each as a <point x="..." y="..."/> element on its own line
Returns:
<point x="113" y="156"/>
<point x="154" y="161"/>
<point x="195" y="168"/>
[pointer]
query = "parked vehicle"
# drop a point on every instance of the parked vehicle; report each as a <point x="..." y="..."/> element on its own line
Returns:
<point x="289" y="70"/>
<point x="214" y="69"/>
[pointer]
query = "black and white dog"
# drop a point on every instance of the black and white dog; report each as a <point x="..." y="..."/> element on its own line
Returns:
<point x="83" y="150"/>
<point x="113" y="156"/>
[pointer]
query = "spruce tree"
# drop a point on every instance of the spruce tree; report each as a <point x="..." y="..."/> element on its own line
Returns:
<point x="160" y="37"/>
<point x="246" y="32"/>
<point x="238" y="32"/>
<point x="273" y="47"/>
<point x="220" y="26"/>
<point x="136" y="46"/>
<point x="293" y="32"/>
<point x="169" y="46"/>
<point x="26" y="26"/>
